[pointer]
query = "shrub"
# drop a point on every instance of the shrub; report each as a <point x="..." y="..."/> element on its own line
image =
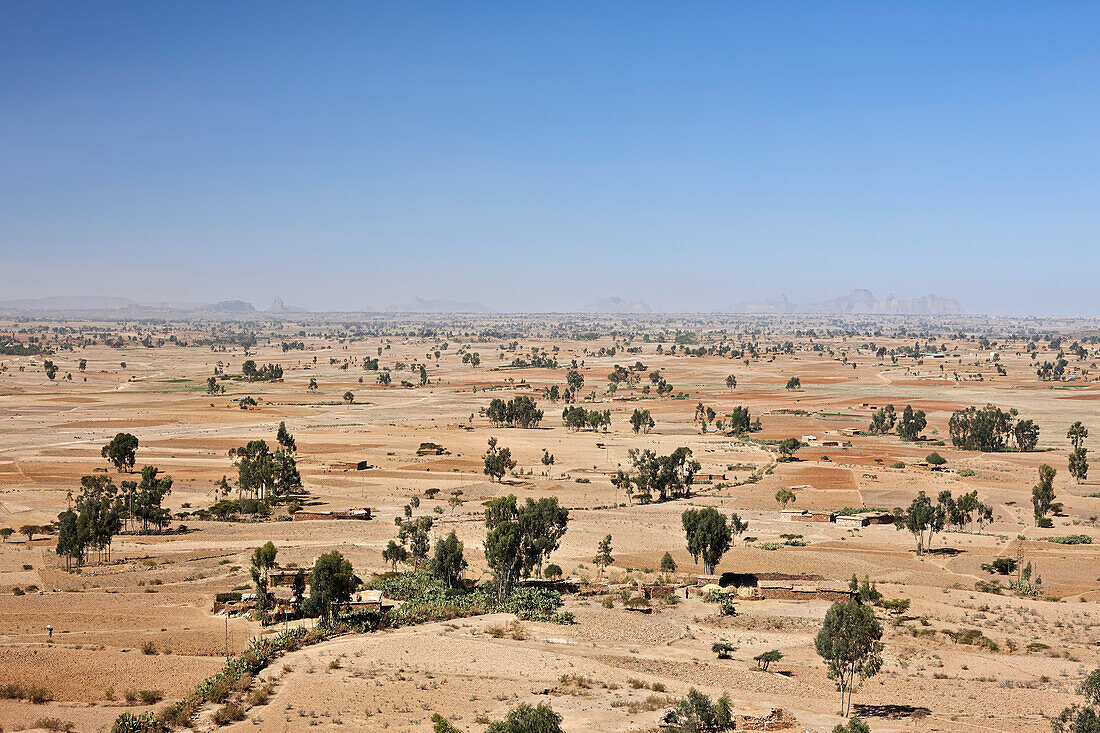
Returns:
<point x="54" y="724"/>
<point x="1072" y="539"/>
<point x="149" y="647"/>
<point x="229" y="713"/>
<point x="150" y="697"/>
<point x="12" y="691"/>
<point x="146" y="722"/>
<point x="260" y="695"/>
<point x="38" y="695"/>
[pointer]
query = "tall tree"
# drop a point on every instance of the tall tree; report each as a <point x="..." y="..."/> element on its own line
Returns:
<point x="849" y="642"/>
<point x="331" y="582"/>
<point x="1042" y="495"/>
<point x="448" y="563"/>
<point x="498" y="461"/>
<point x="708" y="536"/>
<point x="121" y="452"/>
<point x="603" y="554"/>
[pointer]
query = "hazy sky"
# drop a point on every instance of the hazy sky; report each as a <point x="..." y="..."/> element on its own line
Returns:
<point x="543" y="155"/>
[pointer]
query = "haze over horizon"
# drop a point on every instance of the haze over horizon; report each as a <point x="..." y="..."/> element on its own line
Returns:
<point x="540" y="158"/>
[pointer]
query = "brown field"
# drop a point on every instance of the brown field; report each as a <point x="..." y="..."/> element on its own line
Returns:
<point x="598" y="673"/>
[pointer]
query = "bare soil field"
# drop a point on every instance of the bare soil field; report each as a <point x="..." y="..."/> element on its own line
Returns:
<point x="145" y="621"/>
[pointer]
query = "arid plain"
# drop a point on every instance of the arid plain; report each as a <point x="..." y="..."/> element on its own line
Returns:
<point x="615" y="669"/>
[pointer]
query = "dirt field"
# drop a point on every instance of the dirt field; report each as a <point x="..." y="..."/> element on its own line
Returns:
<point x="145" y="621"/>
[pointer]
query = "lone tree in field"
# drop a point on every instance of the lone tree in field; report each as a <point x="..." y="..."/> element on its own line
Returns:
<point x="731" y="383"/>
<point x="349" y="397"/>
<point x="668" y="565"/>
<point x="29" y="531"/>
<point x="849" y="642"/>
<point x="787" y="448"/>
<point x="498" y="461"/>
<point x="5" y="533"/>
<point x="312" y="387"/>
<point x="783" y="497"/>
<point x="121" y="452"/>
<point x="765" y="658"/>
<point x="794" y="383"/>
<point x="1078" y="457"/>
<point x="1042" y="496"/>
<point x="603" y="554"/>
<point x="708" y="536"/>
<point x="331" y="583"/>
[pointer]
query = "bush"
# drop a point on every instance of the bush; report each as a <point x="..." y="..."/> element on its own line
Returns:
<point x="146" y="722"/>
<point x="54" y="724"/>
<point x="1072" y="539"/>
<point x="149" y="648"/>
<point x="150" y="697"/>
<point x="38" y="695"/>
<point x="12" y="691"/>
<point x="230" y="713"/>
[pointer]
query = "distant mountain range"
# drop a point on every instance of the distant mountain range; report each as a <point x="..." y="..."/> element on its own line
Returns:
<point x="617" y="305"/>
<point x="440" y="305"/>
<point x="858" y="302"/>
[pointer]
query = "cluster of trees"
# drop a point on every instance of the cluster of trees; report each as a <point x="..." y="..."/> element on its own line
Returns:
<point x="265" y="475"/>
<point x="910" y="424"/>
<point x="521" y="412"/>
<point x="704" y="416"/>
<point x="261" y="373"/>
<point x="1052" y="372"/>
<point x="709" y="535"/>
<point x="923" y="519"/>
<point x="641" y="421"/>
<point x="575" y="417"/>
<point x="520" y="537"/>
<point x="99" y="511"/>
<point x="740" y="421"/>
<point x="657" y="478"/>
<point x="413" y="541"/>
<point x="473" y="359"/>
<point x="988" y="429"/>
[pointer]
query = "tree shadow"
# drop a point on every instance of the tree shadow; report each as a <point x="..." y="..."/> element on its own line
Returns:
<point x="894" y="712"/>
<point x="945" y="551"/>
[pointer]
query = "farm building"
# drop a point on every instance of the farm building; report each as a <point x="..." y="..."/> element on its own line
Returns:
<point x="355" y="513"/>
<point x="781" y="586"/>
<point x="805" y="515"/>
<point x="864" y="519"/>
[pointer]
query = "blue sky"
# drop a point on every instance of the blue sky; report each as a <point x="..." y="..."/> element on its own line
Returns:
<point x="541" y="156"/>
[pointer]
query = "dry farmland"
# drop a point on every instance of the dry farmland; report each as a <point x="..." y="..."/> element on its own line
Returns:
<point x="144" y="622"/>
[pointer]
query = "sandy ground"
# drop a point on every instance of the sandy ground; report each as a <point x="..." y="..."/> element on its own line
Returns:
<point x="161" y="588"/>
